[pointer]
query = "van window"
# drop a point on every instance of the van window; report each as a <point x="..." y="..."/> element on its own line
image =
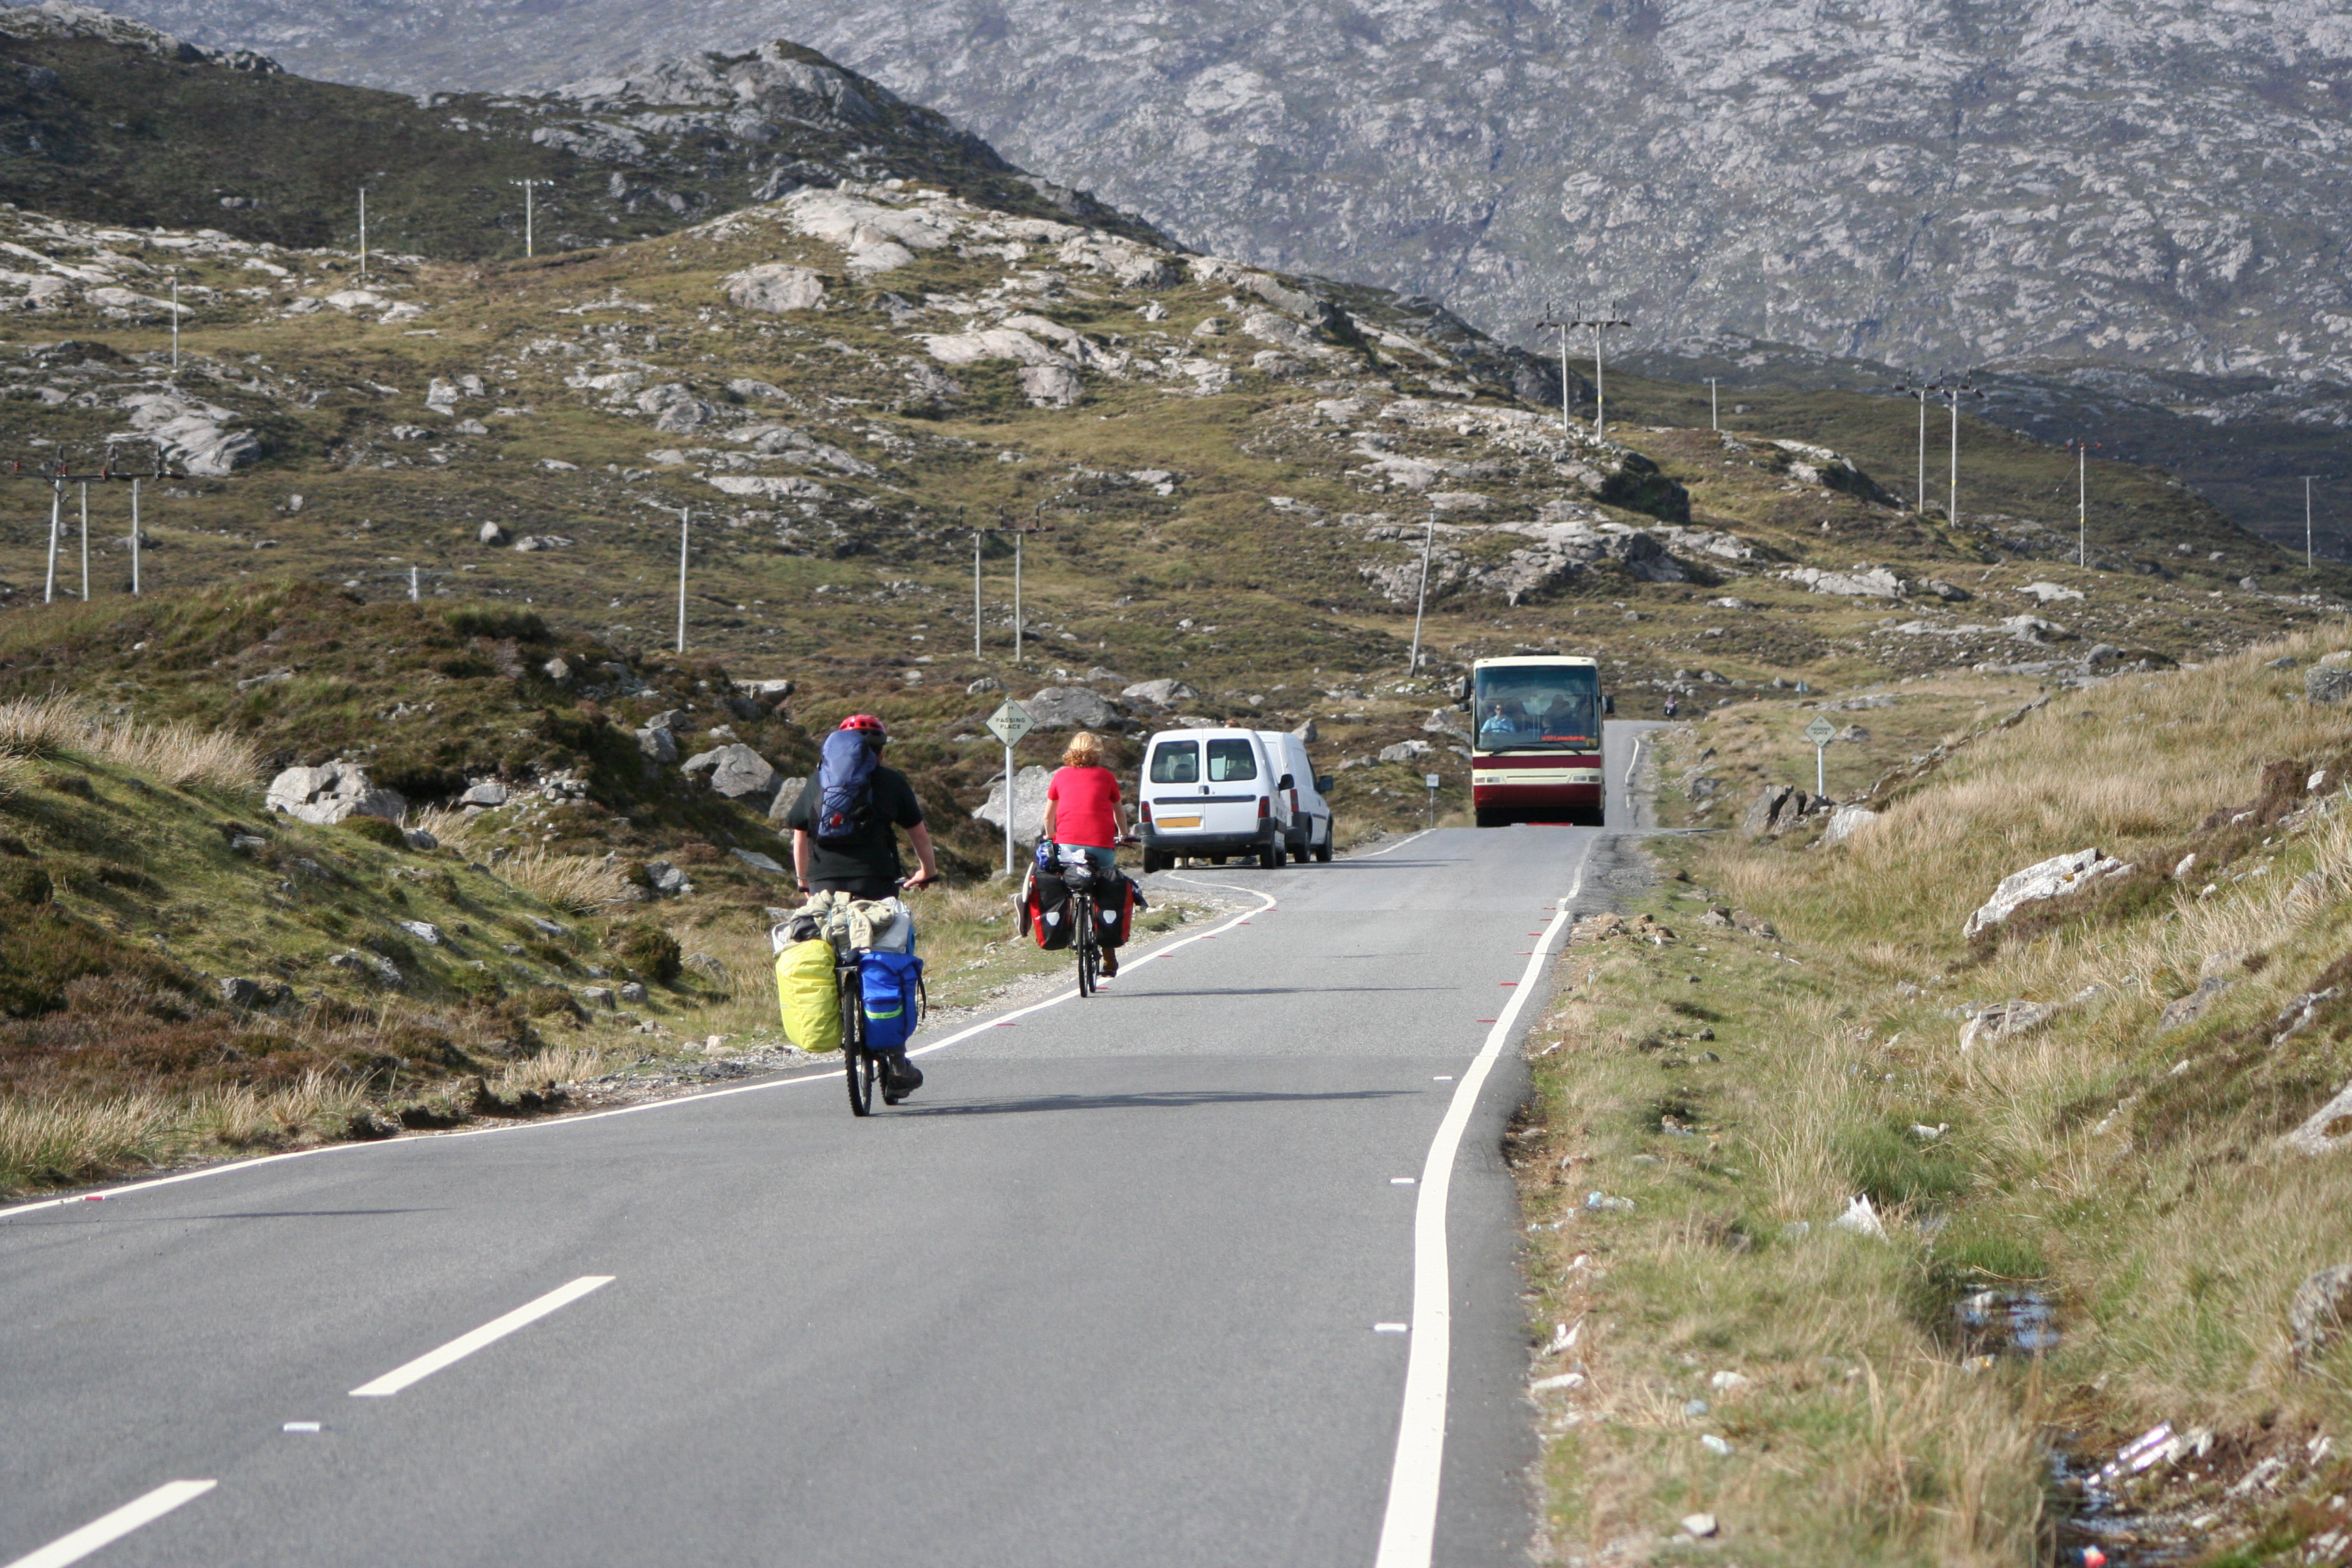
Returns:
<point x="1231" y="761"/>
<point x="1176" y="762"/>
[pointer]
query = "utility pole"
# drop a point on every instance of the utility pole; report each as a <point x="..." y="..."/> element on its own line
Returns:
<point x="684" y="521"/>
<point x="56" y="480"/>
<point x="363" y="234"/>
<point x="1952" y="392"/>
<point x="975" y="593"/>
<point x="175" y="321"/>
<point x="2307" y="522"/>
<point x="1421" y="599"/>
<point x="1019" y="536"/>
<point x="1600" y="322"/>
<point x="1713" y="422"/>
<point x="528" y="238"/>
<point x="414" y="597"/>
<point x="134" y="539"/>
<point x="84" y="541"/>
<point x="2082" y="450"/>
<point x="1551" y="320"/>
<point x="57" y="520"/>
<point x="1920" y="395"/>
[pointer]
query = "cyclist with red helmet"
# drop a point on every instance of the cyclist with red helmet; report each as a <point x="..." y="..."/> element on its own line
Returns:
<point x="842" y="837"/>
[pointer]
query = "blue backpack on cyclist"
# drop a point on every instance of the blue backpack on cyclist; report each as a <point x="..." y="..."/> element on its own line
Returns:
<point x="893" y="984"/>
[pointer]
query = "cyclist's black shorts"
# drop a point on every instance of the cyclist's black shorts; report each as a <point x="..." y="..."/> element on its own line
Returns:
<point x="855" y="886"/>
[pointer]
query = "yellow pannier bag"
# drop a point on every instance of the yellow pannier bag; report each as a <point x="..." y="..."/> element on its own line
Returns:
<point x="806" y="993"/>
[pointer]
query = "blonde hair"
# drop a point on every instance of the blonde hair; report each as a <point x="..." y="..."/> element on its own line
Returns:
<point x="1085" y="751"/>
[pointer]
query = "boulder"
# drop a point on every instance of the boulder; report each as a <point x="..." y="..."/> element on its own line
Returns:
<point x="331" y="792"/>
<point x="1845" y="821"/>
<point x="1071" y="708"/>
<point x="767" y="690"/>
<point x="1754" y="925"/>
<point x="1862" y="582"/>
<point x="1051" y="385"/>
<point x="492" y="534"/>
<point x="2327" y="682"/>
<point x="634" y="992"/>
<point x="2001" y="1020"/>
<point x="1161" y="693"/>
<point x="984" y="684"/>
<point x="2183" y="1010"/>
<point x="425" y="931"/>
<point x="557" y="669"/>
<point x="2054" y="877"/>
<point x="2320" y="1313"/>
<point x="1445" y="721"/>
<point x="658" y="743"/>
<point x="1405" y="750"/>
<point x="759" y="862"/>
<point x="775" y="287"/>
<point x="1778" y="807"/>
<point x="668" y="881"/>
<point x="2325" y="1131"/>
<point x="484" y="792"/>
<point x="417" y="838"/>
<point x="787" y="791"/>
<point x="1028" y="803"/>
<point x="597" y="997"/>
<point x="239" y="992"/>
<point x="739" y="773"/>
<point x="1307" y="734"/>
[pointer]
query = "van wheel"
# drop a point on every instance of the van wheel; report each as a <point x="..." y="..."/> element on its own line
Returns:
<point x="1323" y="851"/>
<point x="1270" y="858"/>
<point x="1216" y="859"/>
<point x="1153" y="862"/>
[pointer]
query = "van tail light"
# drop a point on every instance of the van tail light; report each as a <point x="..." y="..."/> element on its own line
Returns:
<point x="1144" y="807"/>
<point x="1264" y="808"/>
<point x="1294" y="803"/>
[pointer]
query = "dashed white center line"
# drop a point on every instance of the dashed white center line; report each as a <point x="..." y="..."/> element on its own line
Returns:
<point x="1399" y="1181"/>
<point x="1388" y="1327"/>
<point x="464" y="1345"/>
<point x="110" y="1527"/>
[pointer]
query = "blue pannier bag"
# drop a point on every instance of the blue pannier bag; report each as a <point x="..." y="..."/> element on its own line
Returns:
<point x="893" y="984"/>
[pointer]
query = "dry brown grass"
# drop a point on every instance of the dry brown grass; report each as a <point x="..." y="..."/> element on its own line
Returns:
<point x="572" y="883"/>
<point x="181" y="755"/>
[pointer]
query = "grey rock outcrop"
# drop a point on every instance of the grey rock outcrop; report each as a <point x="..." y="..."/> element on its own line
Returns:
<point x="2320" y="1313"/>
<point x="1777" y="808"/>
<point x="787" y="791"/>
<point x="1161" y="693"/>
<point x="656" y="741"/>
<point x="739" y="773"/>
<point x="1846" y="822"/>
<point x="1071" y="708"/>
<point x="2327" y="1131"/>
<point x="485" y="792"/>
<point x="1028" y="803"/>
<point x="2057" y="876"/>
<point x="2327" y="682"/>
<point x="775" y="287"/>
<point x="331" y="792"/>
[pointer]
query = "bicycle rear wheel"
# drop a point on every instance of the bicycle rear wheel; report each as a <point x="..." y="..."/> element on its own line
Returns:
<point x="855" y="1059"/>
<point x="1089" y="942"/>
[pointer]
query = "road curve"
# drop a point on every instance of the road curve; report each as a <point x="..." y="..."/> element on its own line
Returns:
<point x="1123" y="1284"/>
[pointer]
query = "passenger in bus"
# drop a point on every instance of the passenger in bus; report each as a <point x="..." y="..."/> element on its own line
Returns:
<point x="1500" y="721"/>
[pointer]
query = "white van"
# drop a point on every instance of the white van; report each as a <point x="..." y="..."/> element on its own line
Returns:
<point x="1212" y="795"/>
<point x="1310" y="813"/>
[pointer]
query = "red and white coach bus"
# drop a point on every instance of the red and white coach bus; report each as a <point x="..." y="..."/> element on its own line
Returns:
<point x="1534" y="748"/>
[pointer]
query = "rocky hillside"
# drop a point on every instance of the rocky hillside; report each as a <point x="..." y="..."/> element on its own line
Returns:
<point x="2147" y="182"/>
<point x="110" y="120"/>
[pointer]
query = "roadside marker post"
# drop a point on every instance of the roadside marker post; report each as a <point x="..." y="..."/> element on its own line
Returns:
<point x="1433" y="780"/>
<point x="1821" y="733"/>
<point x="1009" y="723"/>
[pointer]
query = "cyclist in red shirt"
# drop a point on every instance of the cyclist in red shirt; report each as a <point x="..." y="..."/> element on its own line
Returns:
<point x="1082" y="812"/>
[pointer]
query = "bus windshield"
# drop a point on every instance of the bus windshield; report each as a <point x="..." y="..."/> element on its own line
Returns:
<point x="1537" y="708"/>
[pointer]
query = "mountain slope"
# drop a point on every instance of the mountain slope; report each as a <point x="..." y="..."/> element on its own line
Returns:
<point x="112" y="121"/>
<point x="2151" y="182"/>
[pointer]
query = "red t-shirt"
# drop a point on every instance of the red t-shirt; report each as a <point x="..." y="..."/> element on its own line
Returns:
<point x="1085" y="806"/>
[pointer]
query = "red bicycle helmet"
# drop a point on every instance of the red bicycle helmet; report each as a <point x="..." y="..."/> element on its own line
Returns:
<point x="866" y="721"/>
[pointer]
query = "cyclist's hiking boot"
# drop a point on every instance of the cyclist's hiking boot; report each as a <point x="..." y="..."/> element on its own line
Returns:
<point x="1110" y="961"/>
<point x="900" y="1078"/>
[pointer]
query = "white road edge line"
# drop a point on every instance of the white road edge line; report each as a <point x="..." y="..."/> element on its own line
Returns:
<point x="1409" y="1525"/>
<point x="110" y="1527"/>
<point x="490" y="1333"/>
<point x="555" y="1124"/>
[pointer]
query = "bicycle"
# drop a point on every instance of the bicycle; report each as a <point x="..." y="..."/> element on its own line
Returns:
<point x="1085" y="935"/>
<point x="862" y="1066"/>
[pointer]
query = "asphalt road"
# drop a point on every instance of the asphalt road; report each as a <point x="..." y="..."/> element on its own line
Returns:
<point x="1106" y="1291"/>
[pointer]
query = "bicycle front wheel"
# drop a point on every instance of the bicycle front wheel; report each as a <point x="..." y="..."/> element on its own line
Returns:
<point x="855" y="1059"/>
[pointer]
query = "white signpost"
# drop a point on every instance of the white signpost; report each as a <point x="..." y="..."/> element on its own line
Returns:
<point x="1433" y="780"/>
<point x="1009" y="723"/>
<point x="1821" y="733"/>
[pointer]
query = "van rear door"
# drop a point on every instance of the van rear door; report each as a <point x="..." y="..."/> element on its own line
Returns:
<point x="1234" y="782"/>
<point x="1173" y="787"/>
